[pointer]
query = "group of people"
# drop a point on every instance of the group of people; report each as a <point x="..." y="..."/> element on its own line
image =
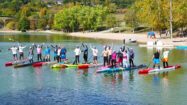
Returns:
<point x="59" y="52"/>
<point x="84" y="49"/>
<point x="110" y="56"/>
<point x="123" y="57"/>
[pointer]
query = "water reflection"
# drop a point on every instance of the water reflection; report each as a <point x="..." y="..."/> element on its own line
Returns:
<point x="44" y="85"/>
<point x="38" y="73"/>
<point x="131" y="75"/>
<point x="83" y="72"/>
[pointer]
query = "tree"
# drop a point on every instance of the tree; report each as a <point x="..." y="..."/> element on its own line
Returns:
<point x="23" y="24"/>
<point x="11" y="25"/>
<point x="156" y="13"/>
<point x="111" y="21"/>
<point x="81" y="17"/>
<point x="131" y="19"/>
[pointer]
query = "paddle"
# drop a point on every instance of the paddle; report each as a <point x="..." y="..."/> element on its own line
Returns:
<point x="149" y="64"/>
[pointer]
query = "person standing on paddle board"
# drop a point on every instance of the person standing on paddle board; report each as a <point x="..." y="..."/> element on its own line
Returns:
<point x="39" y="52"/>
<point x="47" y="54"/>
<point x="59" y="55"/>
<point x="125" y="59"/>
<point x="95" y="54"/>
<point x="55" y="52"/>
<point x="109" y="55"/>
<point x="85" y="53"/>
<point x="77" y="55"/>
<point x="165" y="58"/>
<point x="114" y="55"/>
<point x="156" y="59"/>
<point x="131" y="57"/>
<point x="31" y="54"/>
<point x="120" y="57"/>
<point x="63" y="53"/>
<point x="14" y="52"/>
<point x="105" y="56"/>
<point x="21" y="54"/>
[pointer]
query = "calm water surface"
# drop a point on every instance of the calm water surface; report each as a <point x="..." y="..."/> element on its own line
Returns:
<point x="44" y="86"/>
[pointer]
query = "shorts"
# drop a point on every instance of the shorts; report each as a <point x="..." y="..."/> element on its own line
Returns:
<point x="21" y="53"/>
<point x="156" y="61"/>
<point x="14" y="55"/>
<point x="95" y="58"/>
<point x="63" y="56"/>
<point x="165" y="60"/>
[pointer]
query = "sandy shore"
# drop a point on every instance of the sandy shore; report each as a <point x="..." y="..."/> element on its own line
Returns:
<point x="140" y="38"/>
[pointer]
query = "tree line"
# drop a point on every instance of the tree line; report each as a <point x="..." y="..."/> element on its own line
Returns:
<point x="82" y="15"/>
<point x="156" y="14"/>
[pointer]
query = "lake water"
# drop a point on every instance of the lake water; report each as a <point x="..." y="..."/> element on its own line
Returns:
<point x="44" y="86"/>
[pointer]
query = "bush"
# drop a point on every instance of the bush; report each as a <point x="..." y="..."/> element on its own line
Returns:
<point x="11" y="25"/>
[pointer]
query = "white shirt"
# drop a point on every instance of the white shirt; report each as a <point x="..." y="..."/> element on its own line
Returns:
<point x="58" y="52"/>
<point x="110" y="52"/>
<point x="165" y="54"/>
<point x="77" y="51"/>
<point x="95" y="52"/>
<point x="14" y="50"/>
<point x="21" y="48"/>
